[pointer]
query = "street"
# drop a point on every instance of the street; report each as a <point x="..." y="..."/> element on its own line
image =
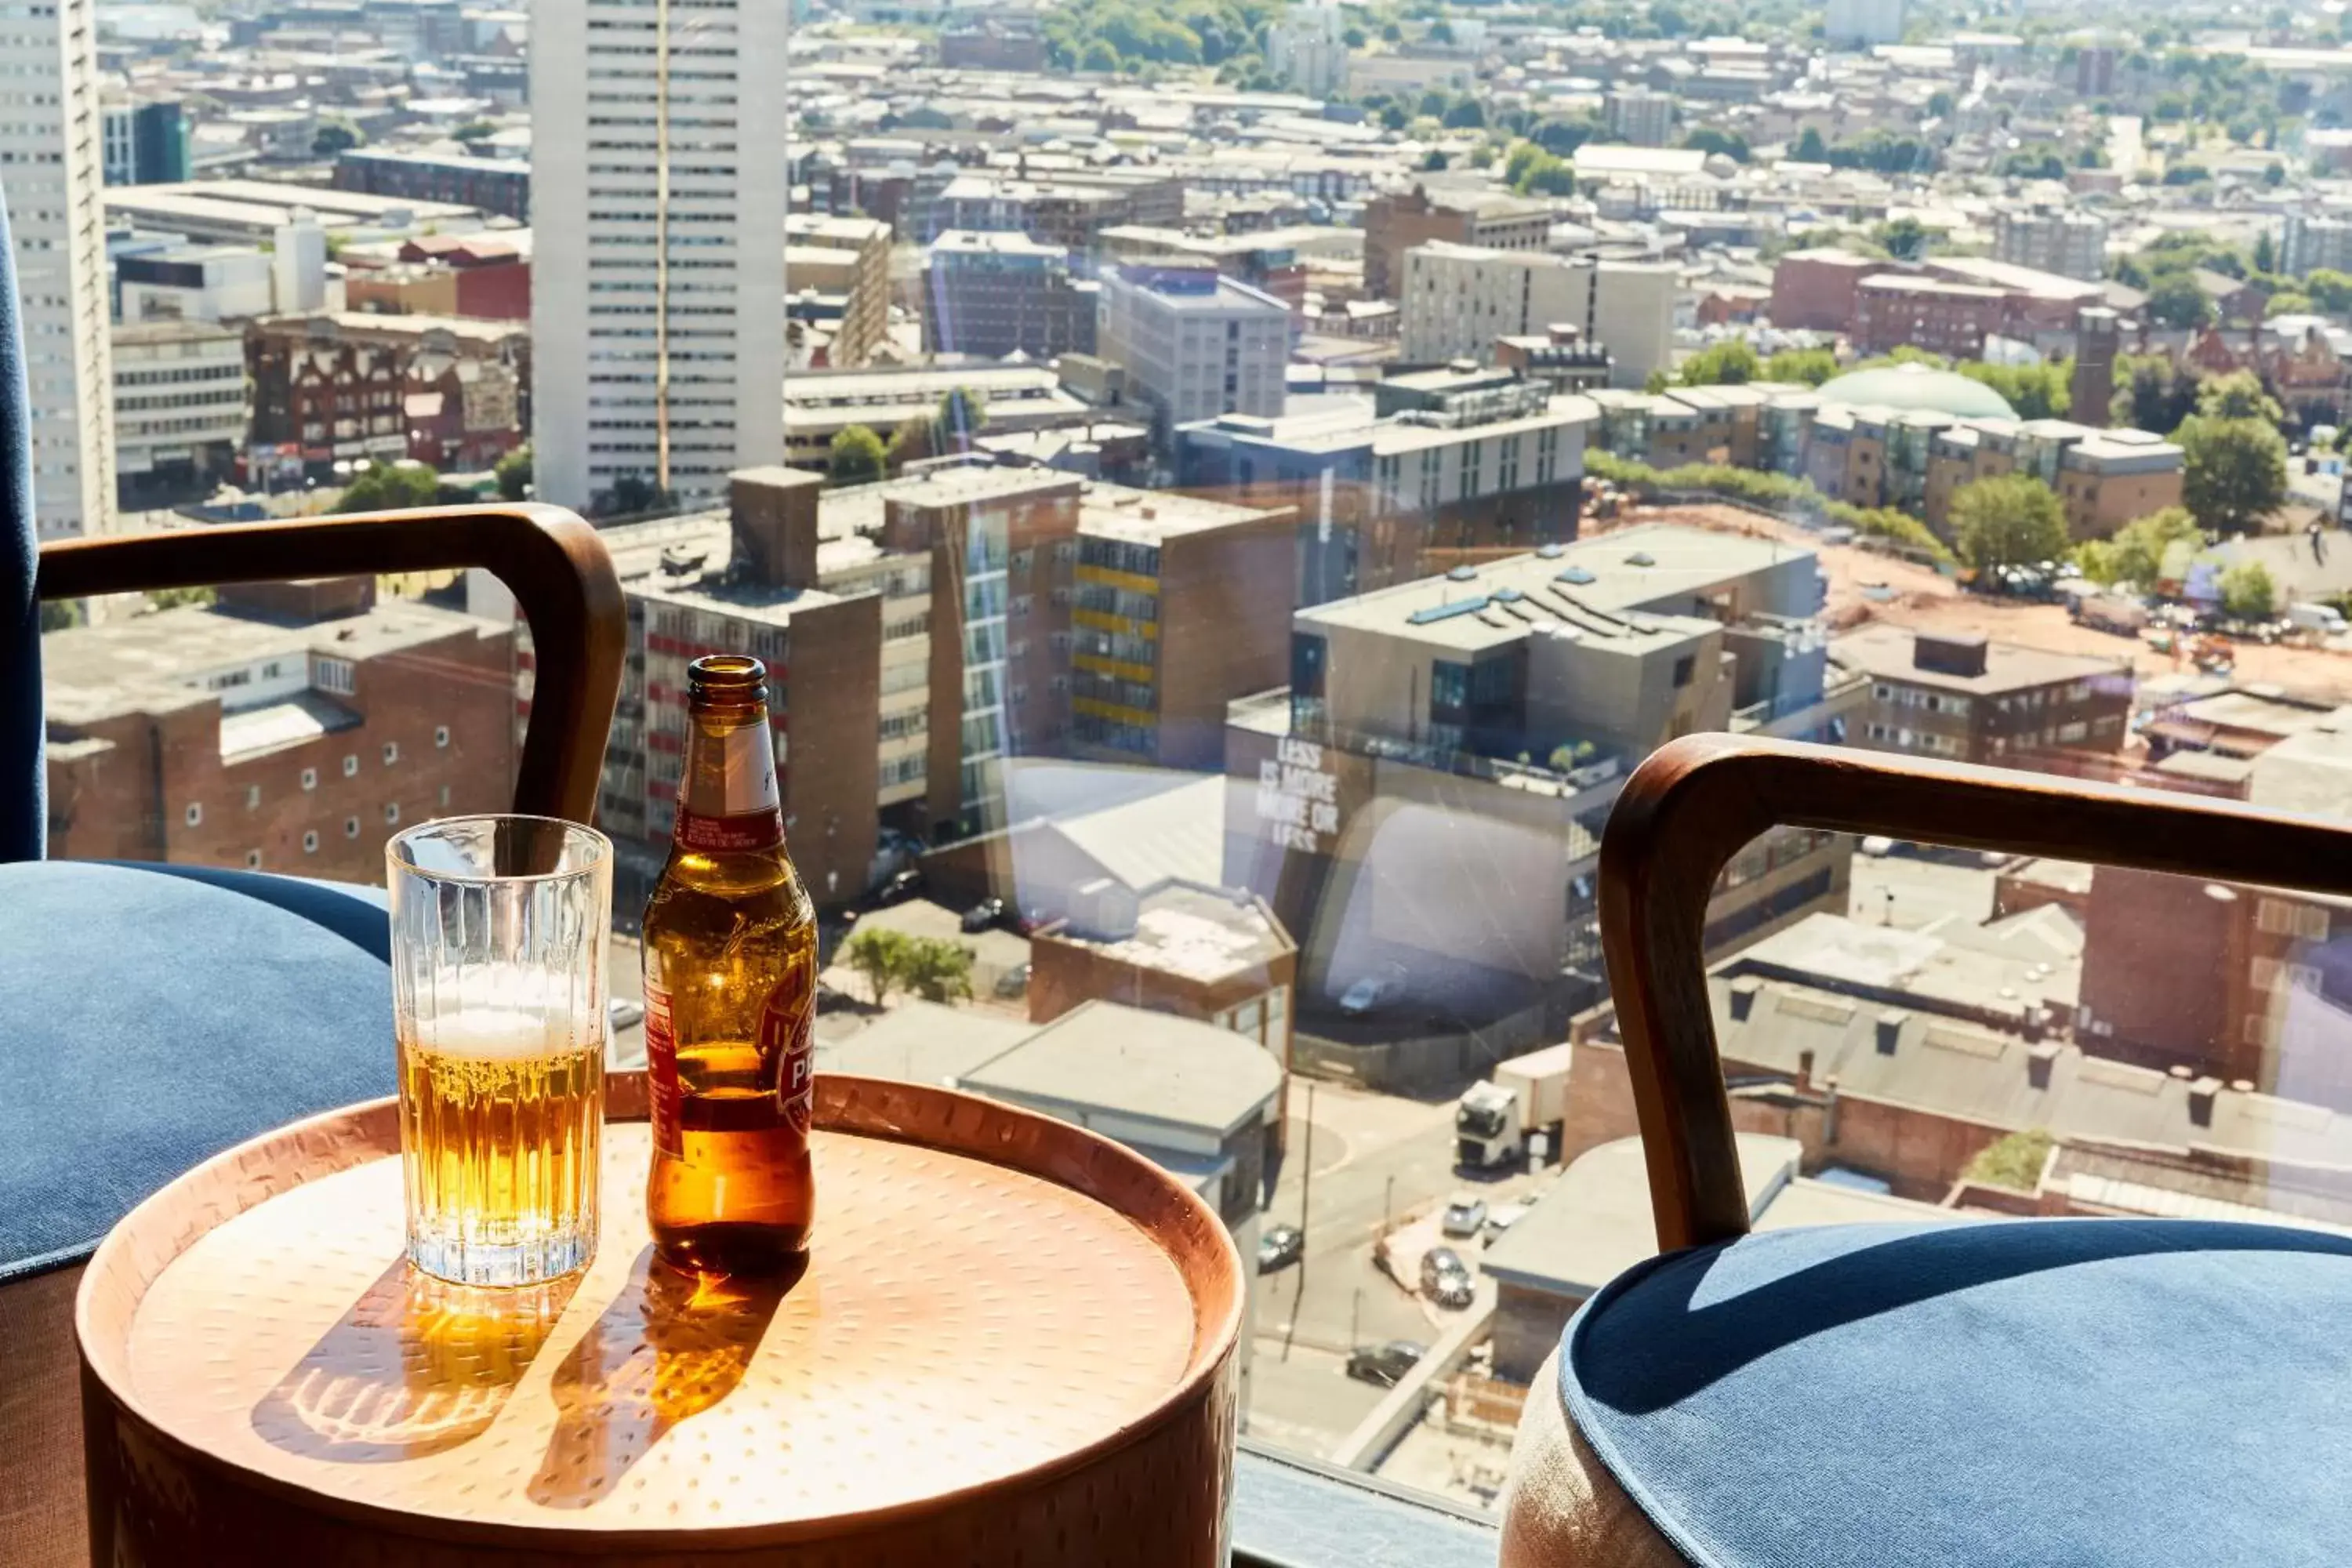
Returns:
<point x="1395" y="1159"/>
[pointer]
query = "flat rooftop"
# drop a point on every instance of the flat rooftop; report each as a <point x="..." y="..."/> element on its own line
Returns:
<point x="158" y="662"/>
<point x="1888" y="652"/>
<point x="1154" y="517"/>
<point x="1139" y="1067"/>
<point x="1198" y="932"/>
<point x="1612" y="577"/>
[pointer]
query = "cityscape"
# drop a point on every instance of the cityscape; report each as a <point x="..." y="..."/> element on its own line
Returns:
<point x="1226" y="495"/>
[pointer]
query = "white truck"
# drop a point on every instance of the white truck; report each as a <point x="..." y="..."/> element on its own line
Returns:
<point x="1526" y="1094"/>
<point x="2319" y="620"/>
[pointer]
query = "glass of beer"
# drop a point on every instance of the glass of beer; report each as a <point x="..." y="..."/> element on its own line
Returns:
<point x="499" y="928"/>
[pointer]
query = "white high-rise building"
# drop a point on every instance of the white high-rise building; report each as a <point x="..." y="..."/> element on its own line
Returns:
<point x="1853" y="24"/>
<point x="657" y="208"/>
<point x="51" y="170"/>
<point x="1307" y="47"/>
<point x="1195" y="343"/>
<point x="1458" y="299"/>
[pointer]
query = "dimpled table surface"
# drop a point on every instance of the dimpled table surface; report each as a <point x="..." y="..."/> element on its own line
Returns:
<point x="1014" y="1341"/>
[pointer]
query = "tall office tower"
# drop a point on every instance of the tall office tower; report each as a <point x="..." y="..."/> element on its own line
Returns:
<point x="51" y="169"/>
<point x="657" y="203"/>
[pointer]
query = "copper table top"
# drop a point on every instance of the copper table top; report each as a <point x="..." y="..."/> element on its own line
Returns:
<point x="962" y="1323"/>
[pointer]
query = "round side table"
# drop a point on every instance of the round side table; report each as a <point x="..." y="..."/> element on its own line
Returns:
<point x="1015" y="1343"/>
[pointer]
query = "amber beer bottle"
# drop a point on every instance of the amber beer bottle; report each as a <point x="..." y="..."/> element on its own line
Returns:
<point x="731" y="997"/>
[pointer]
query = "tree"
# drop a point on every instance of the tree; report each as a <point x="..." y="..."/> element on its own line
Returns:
<point x="2012" y="519"/>
<point x="1465" y="114"/>
<point x="2014" y="1161"/>
<point x="2155" y="395"/>
<point x="1655" y="383"/>
<point x="2237" y="396"/>
<point x="909" y="443"/>
<point x="473" y="131"/>
<point x="2035" y="391"/>
<point x="2234" y="470"/>
<point x="1810" y="147"/>
<point x="175" y="598"/>
<point x="855" y="455"/>
<point x="2174" y="299"/>
<point x="634" y="493"/>
<point x="964" y="413"/>
<point x="515" y="474"/>
<point x="391" y="487"/>
<point x="335" y="137"/>
<point x="1098" y="56"/>
<point x="2248" y="593"/>
<point x="932" y="968"/>
<point x="1905" y="238"/>
<point x="1810" y="367"/>
<point x="1441" y="31"/>
<point x="1708" y="140"/>
<point x="1731" y="363"/>
<point x="2135" y="555"/>
<point x="2265" y="253"/>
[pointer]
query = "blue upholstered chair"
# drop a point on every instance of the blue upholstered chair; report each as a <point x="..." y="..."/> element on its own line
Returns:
<point x="2053" y="1391"/>
<point x="152" y="1016"/>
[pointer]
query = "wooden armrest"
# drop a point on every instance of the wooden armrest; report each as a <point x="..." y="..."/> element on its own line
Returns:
<point x="553" y="564"/>
<point x="1691" y="807"/>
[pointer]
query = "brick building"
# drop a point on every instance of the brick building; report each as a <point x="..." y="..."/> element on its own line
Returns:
<point x="1397" y="221"/>
<point x="463" y="415"/>
<point x="1953" y="318"/>
<point x="1179" y="606"/>
<point x="1815" y="290"/>
<point x="287" y="727"/>
<point x="994" y="44"/>
<point x="1204" y="953"/>
<point x="1974" y="701"/>
<point x="493" y="271"/>
<point x="333" y="387"/>
<point x="500" y="186"/>
<point x="994" y="294"/>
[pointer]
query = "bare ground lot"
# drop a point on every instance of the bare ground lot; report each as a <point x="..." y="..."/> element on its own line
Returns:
<point x="1917" y="597"/>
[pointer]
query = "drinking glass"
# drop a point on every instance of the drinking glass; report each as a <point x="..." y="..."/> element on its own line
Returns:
<point x="499" y="928"/>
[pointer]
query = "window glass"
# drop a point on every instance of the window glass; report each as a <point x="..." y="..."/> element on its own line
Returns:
<point x="1245" y="485"/>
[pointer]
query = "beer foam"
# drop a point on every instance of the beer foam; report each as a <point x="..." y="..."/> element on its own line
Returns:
<point x="488" y="1034"/>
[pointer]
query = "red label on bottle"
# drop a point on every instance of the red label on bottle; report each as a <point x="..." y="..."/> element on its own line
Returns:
<point x="788" y="1037"/>
<point x="662" y="1092"/>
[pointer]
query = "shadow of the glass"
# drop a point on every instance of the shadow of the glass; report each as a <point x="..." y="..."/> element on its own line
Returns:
<point x="416" y="1366"/>
<point x="670" y="1347"/>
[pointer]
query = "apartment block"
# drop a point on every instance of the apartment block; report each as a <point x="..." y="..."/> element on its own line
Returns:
<point x="1065" y="209"/>
<point x="2068" y="243"/>
<point x="1465" y="736"/>
<point x="745" y="580"/>
<point x="51" y="139"/>
<point x="1196" y="345"/>
<point x="1951" y="319"/>
<point x="1306" y="48"/>
<point x="335" y="386"/>
<point x="286" y="727"/>
<point x="660" y="316"/>
<point x="1970" y="699"/>
<point x="2309" y="241"/>
<point x="1442" y="463"/>
<point x="1273" y="261"/>
<point x="821" y="404"/>
<point x="181" y="404"/>
<point x="1815" y="290"/>
<point x="1863" y="24"/>
<point x="991" y="294"/>
<point x="500" y="186"/>
<point x="146" y="142"/>
<point x="1395" y="222"/>
<point x="848" y="256"/>
<point x="1180" y="605"/>
<point x="1459" y="298"/>
<point x="1640" y="116"/>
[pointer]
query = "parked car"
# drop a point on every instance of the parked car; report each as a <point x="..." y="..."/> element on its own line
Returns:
<point x="985" y="915"/>
<point x="1385" y="1365"/>
<point x="1444" y="1278"/>
<point x="624" y="1012"/>
<point x="1502" y="1218"/>
<point x="1279" y="1246"/>
<point x="1465" y="1214"/>
<point x="1014" y="984"/>
<point x="1372" y="993"/>
<point x="901" y="887"/>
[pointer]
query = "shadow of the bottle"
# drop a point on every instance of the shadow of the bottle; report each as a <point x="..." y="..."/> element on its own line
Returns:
<point x="670" y="1346"/>
<point x="417" y="1365"/>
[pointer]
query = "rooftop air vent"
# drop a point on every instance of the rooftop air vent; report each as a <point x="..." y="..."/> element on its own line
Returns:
<point x="1549" y="552"/>
<point x="1641" y="558"/>
<point x="1462" y="575"/>
<point x="1578" y="575"/>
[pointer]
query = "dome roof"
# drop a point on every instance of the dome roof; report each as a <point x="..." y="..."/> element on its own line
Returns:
<point x="1917" y="388"/>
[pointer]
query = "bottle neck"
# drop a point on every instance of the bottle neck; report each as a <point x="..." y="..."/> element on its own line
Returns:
<point x="727" y="797"/>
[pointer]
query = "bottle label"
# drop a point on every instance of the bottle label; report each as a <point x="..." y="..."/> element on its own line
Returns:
<point x="788" y="1037"/>
<point x="662" y="1092"/>
<point x="729" y="800"/>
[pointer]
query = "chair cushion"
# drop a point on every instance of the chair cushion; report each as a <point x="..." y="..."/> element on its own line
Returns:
<point x="2082" y="1391"/>
<point x="152" y="1016"/>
